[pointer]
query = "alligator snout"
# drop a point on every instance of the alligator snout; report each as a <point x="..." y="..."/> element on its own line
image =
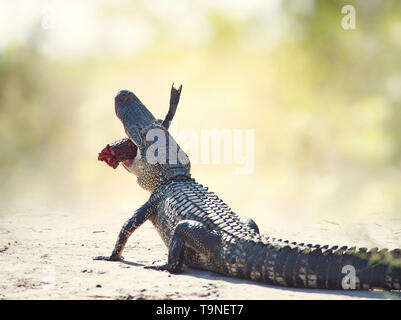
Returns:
<point x="124" y="95"/>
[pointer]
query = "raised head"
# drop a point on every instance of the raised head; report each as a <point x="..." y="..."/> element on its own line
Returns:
<point x="158" y="157"/>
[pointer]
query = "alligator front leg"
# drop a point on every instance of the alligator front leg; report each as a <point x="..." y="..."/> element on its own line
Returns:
<point x="188" y="234"/>
<point x="174" y="99"/>
<point x="139" y="217"/>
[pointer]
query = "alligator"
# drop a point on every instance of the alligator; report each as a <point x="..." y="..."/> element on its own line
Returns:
<point x="201" y="231"/>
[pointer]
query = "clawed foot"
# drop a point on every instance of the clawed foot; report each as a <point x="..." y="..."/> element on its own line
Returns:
<point x="162" y="265"/>
<point x="109" y="258"/>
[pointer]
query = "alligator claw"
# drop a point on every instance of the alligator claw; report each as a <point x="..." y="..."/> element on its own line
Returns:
<point x="109" y="258"/>
<point x="161" y="265"/>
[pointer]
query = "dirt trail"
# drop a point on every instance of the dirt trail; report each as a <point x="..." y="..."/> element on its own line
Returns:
<point x="49" y="256"/>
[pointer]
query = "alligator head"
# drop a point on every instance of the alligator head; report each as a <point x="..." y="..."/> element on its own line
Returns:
<point x="154" y="156"/>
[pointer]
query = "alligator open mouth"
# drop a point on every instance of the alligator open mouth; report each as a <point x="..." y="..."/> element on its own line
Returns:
<point x="123" y="150"/>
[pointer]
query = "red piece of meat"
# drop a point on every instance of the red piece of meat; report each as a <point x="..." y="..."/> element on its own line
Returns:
<point x="117" y="152"/>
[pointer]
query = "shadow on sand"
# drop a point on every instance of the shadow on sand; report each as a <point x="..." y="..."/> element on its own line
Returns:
<point x="351" y="293"/>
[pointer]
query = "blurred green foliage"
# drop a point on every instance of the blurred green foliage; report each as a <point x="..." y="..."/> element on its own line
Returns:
<point x="325" y="102"/>
<point x="35" y="109"/>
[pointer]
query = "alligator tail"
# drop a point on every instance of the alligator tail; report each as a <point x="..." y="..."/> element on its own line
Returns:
<point x="320" y="267"/>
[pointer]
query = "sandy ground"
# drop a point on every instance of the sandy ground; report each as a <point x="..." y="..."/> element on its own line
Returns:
<point x="49" y="256"/>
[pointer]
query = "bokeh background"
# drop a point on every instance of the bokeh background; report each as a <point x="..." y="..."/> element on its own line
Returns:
<point x="325" y="103"/>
